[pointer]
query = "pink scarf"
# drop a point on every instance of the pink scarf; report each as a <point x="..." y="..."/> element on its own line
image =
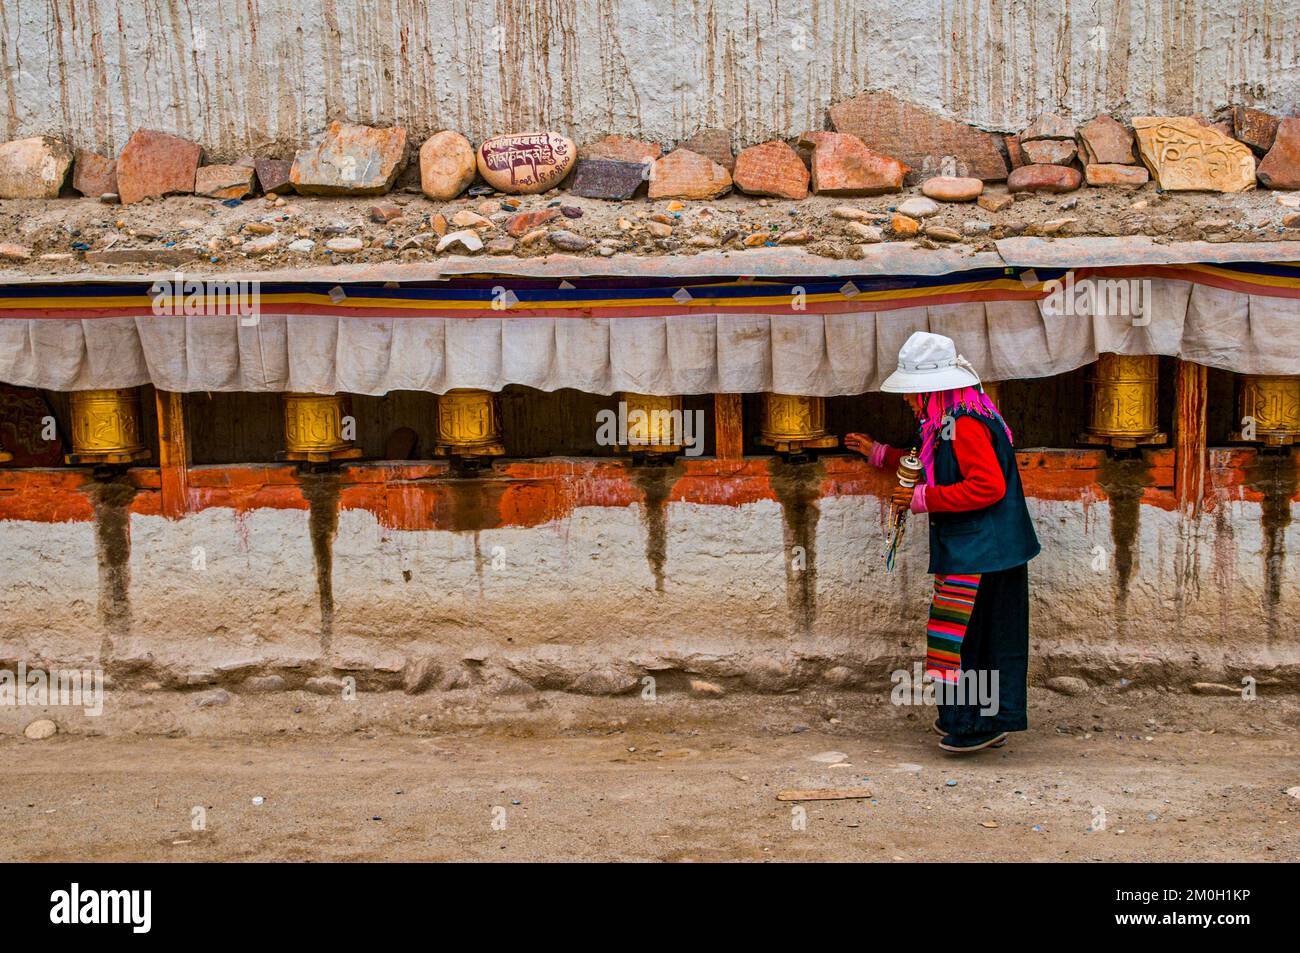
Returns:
<point x="935" y="407"/>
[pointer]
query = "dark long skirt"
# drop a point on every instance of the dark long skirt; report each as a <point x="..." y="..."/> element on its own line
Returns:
<point x="996" y="640"/>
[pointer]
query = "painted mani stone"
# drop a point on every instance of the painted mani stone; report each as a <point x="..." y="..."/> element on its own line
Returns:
<point x="526" y="163"/>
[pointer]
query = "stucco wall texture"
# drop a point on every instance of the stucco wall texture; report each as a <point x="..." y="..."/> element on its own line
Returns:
<point x="266" y="75"/>
<point x="587" y="604"/>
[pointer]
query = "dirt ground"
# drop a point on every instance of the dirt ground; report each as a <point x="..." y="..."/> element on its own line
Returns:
<point x="452" y="776"/>
<point x="76" y="235"/>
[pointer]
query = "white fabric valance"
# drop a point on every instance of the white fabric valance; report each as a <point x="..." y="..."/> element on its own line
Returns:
<point x="695" y="353"/>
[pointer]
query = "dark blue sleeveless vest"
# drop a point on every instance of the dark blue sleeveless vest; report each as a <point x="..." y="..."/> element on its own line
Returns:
<point x="1000" y="536"/>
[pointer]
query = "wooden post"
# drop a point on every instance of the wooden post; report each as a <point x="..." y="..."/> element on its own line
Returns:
<point x="1189" y="431"/>
<point x="173" y="454"/>
<point x="728" y="427"/>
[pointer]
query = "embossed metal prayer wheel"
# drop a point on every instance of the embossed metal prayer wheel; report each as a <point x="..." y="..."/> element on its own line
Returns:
<point x="792" y="423"/>
<point x="469" y="424"/>
<point x="106" y="427"/>
<point x="314" y="428"/>
<point x="1271" y="404"/>
<point x="1124" y="401"/>
<point x="654" y="424"/>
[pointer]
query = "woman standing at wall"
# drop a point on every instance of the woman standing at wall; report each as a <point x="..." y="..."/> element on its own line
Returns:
<point x="981" y="541"/>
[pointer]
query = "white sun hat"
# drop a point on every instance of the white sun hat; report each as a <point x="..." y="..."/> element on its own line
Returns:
<point x="929" y="363"/>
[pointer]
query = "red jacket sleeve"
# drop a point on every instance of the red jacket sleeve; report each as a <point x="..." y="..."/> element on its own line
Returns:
<point x="982" y="483"/>
<point x="892" y="456"/>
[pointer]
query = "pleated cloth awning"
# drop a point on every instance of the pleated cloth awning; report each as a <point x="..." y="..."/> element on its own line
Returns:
<point x="799" y="336"/>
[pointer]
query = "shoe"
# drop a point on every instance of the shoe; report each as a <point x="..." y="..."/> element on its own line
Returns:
<point x="943" y="734"/>
<point x="969" y="743"/>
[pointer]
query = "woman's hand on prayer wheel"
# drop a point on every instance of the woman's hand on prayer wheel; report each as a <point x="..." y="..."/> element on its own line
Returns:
<point x="900" y="498"/>
<point x="859" y="443"/>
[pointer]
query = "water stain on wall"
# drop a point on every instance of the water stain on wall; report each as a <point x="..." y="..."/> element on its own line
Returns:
<point x="656" y="485"/>
<point x="111" y="500"/>
<point x="321" y="491"/>
<point x="1273" y="476"/>
<point x="798" y="488"/>
<point x="1124" y="480"/>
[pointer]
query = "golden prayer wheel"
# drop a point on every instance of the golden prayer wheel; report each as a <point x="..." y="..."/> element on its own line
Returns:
<point x="793" y="423"/>
<point x="1124" y="401"/>
<point x="106" y="427"/>
<point x="654" y="424"/>
<point x="469" y="424"/>
<point x="1271" y="402"/>
<point x="313" y="428"/>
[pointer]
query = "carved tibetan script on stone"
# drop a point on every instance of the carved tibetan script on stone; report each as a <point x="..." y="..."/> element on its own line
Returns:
<point x="1184" y="155"/>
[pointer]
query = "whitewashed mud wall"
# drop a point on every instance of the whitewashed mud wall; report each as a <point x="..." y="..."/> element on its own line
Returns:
<point x="596" y="601"/>
<point x="242" y="75"/>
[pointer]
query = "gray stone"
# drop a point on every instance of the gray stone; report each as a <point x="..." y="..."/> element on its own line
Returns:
<point x="568" y="241"/>
<point x="607" y="178"/>
<point x="213" y="699"/>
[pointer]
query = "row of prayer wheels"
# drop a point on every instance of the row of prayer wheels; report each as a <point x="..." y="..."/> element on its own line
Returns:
<point x="106" y="424"/>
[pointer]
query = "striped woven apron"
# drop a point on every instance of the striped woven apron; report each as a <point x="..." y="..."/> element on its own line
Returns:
<point x="954" y="600"/>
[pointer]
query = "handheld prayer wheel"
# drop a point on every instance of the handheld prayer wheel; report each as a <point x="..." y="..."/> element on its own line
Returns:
<point x="792" y="424"/>
<point x="654" y="424"/>
<point x="1124" y="401"/>
<point x="1271" y="403"/>
<point x="469" y="424"/>
<point x="106" y="427"/>
<point x="313" y="428"/>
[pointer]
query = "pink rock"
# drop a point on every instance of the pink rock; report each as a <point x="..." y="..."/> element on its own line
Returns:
<point x="1113" y="173"/>
<point x="156" y="163"/>
<point x="1106" y="141"/>
<point x="843" y="165"/>
<point x="945" y="188"/>
<point x="224" y="181"/>
<point x="714" y="144"/>
<point x="623" y="149"/>
<point x="1280" y="169"/>
<point x="94" y="175"/>
<point x="1044" y="178"/>
<point x="772" y="168"/>
<point x="683" y="174"/>
<point x="922" y="139"/>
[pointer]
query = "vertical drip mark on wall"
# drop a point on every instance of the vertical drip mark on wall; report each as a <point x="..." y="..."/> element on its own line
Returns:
<point x="321" y="490"/>
<point x="798" y="488"/>
<point x="111" y="500"/>
<point x="1273" y="476"/>
<point x="655" y="484"/>
<point x="1123" y="481"/>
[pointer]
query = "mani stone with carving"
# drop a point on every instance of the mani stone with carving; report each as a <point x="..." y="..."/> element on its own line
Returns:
<point x="155" y="163"/>
<point x="1184" y="155"/>
<point x="447" y="165"/>
<point x="350" y="160"/>
<point x="683" y="174"/>
<point x="843" y="165"/>
<point x="772" y="168"/>
<point x="922" y="139"/>
<point x="33" y="168"/>
<point x="526" y="163"/>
